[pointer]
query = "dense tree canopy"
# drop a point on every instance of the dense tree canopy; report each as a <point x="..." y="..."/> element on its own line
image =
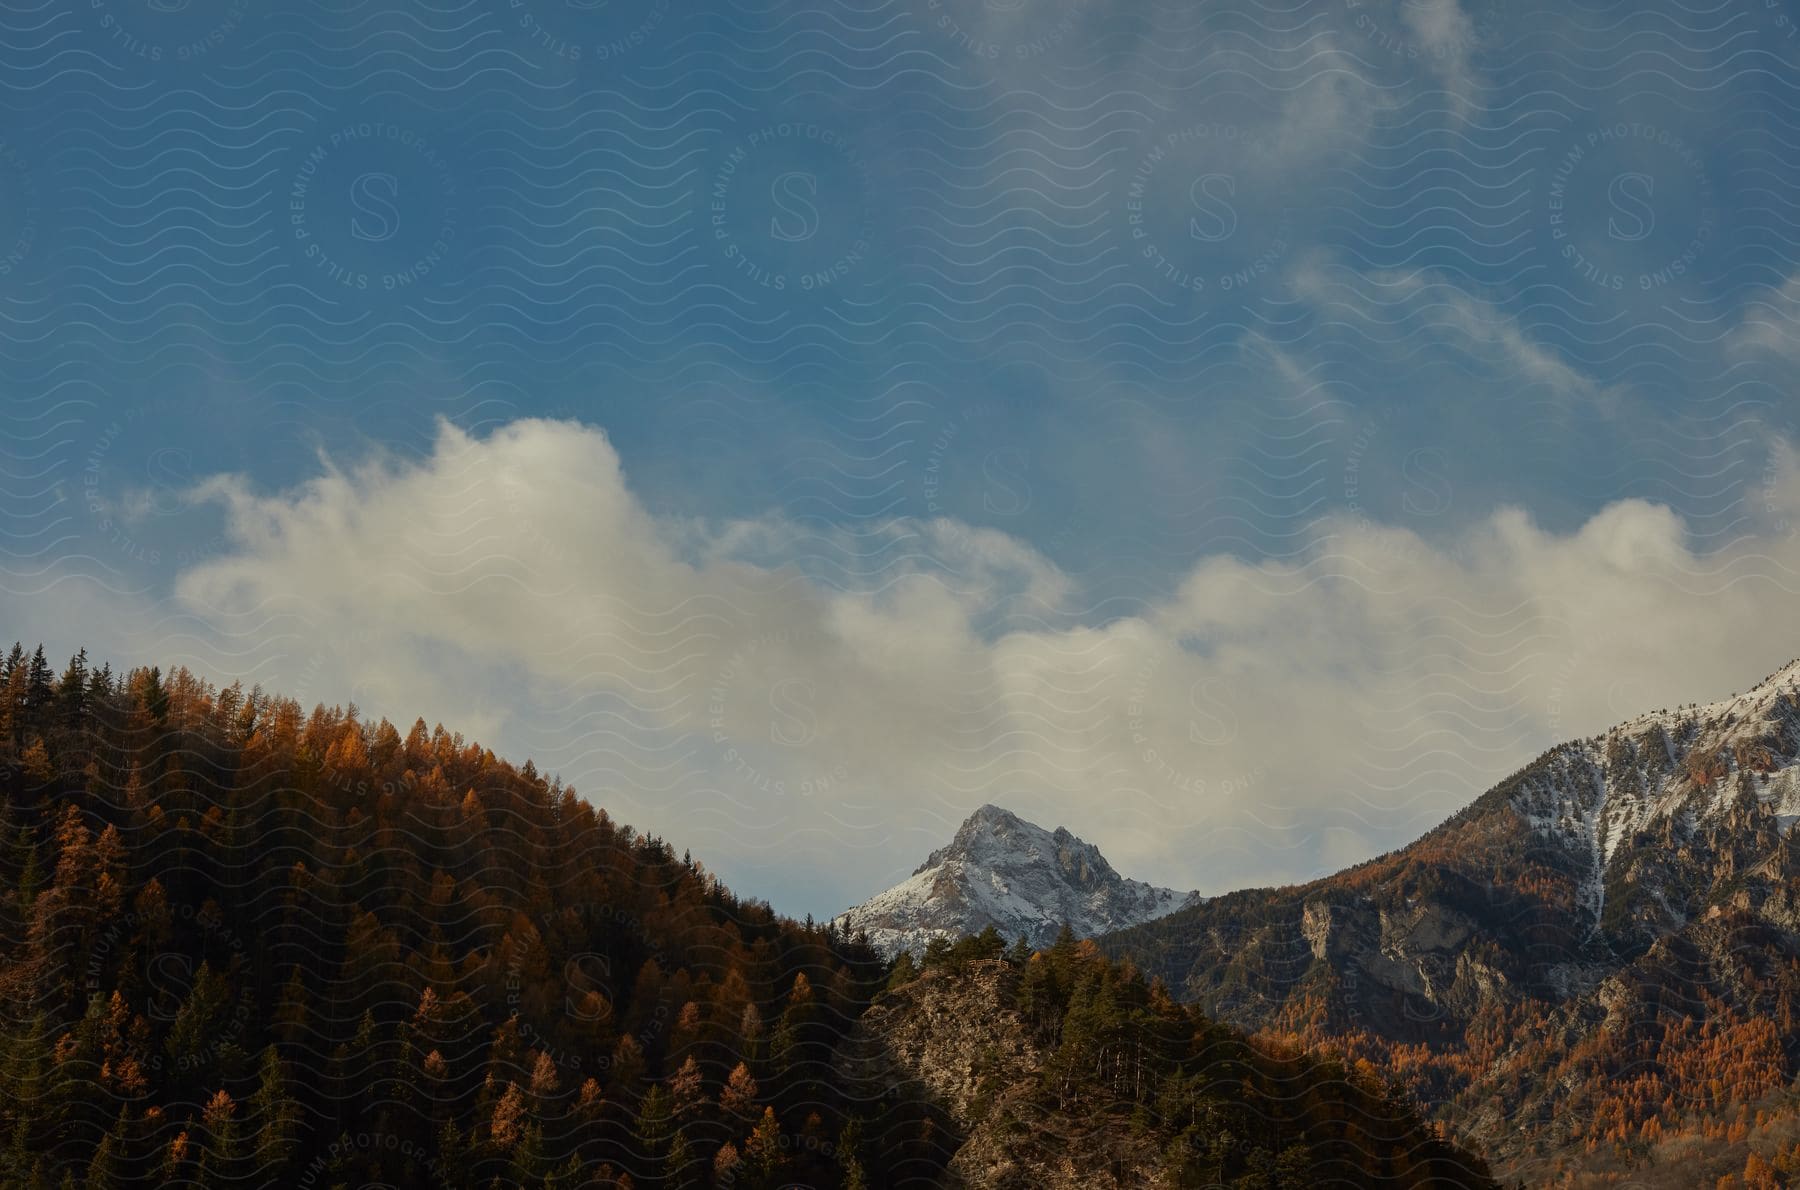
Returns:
<point x="250" y="944"/>
<point x="243" y="943"/>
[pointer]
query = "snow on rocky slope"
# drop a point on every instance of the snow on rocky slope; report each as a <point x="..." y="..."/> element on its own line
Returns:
<point x="1613" y="907"/>
<point x="1002" y="871"/>
<point x="1657" y="781"/>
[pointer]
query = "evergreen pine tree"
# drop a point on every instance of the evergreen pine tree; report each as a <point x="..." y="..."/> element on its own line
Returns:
<point x="904" y="970"/>
<point x="39" y="686"/>
<point x="72" y="691"/>
<point x="654" y="1124"/>
<point x="12" y="696"/>
<point x="105" y="1169"/>
<point x="680" y="1168"/>
<point x="275" y="1117"/>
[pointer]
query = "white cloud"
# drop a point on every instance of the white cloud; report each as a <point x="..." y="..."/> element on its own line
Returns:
<point x="1445" y="36"/>
<point x="777" y="713"/>
<point x="1770" y="323"/>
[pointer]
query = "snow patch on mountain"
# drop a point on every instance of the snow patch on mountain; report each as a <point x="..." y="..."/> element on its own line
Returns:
<point x="1606" y="797"/>
<point x="1016" y="876"/>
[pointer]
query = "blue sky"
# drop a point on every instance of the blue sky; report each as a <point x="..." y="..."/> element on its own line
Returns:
<point x="1358" y="395"/>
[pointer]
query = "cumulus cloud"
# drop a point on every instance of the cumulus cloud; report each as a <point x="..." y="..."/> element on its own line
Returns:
<point x="785" y="699"/>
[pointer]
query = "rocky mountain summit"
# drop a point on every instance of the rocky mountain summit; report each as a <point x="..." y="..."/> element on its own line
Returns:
<point x="1002" y="871"/>
<point x="1601" y="950"/>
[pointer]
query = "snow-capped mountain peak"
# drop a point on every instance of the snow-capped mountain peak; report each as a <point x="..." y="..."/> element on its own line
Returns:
<point x="1003" y="871"/>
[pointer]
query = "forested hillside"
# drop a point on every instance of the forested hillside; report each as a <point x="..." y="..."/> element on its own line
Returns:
<point x="252" y="945"/>
<point x="246" y="944"/>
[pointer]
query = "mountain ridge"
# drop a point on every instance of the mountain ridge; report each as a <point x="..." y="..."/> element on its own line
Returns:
<point x="1601" y="948"/>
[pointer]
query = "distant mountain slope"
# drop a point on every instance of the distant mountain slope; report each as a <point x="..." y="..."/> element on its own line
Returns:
<point x="1603" y="948"/>
<point x="1002" y="871"/>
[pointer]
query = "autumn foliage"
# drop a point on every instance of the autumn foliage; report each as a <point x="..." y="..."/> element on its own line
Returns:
<point x="248" y="944"/>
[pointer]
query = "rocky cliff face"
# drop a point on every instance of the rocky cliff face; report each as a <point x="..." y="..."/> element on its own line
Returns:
<point x="1616" y="884"/>
<point x="959" y="1036"/>
<point x="1002" y="871"/>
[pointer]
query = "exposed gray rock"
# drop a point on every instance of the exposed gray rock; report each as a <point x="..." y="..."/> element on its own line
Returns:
<point x="955" y="1035"/>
